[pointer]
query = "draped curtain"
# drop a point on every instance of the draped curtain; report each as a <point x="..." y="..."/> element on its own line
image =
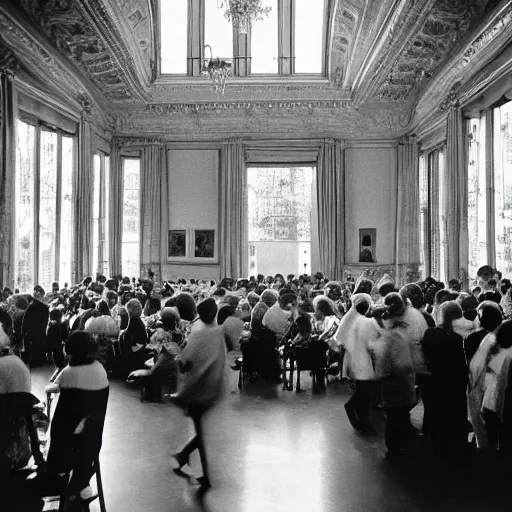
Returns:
<point x="115" y="220"/>
<point x="8" y="114"/>
<point x="331" y="212"/>
<point x="153" y="169"/>
<point x="408" y="227"/>
<point x="455" y="204"/>
<point x="83" y="199"/>
<point x="233" y="200"/>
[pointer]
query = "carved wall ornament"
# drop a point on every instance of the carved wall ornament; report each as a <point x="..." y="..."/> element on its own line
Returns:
<point x="161" y="109"/>
<point x="85" y="103"/>
<point x="452" y="98"/>
<point x="482" y="41"/>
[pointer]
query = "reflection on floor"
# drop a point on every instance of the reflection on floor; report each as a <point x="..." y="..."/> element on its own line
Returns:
<point x="273" y="451"/>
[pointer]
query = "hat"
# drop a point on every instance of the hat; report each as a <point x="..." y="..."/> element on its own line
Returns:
<point x="385" y="285"/>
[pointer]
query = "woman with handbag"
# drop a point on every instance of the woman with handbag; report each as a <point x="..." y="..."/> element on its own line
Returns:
<point x="202" y="364"/>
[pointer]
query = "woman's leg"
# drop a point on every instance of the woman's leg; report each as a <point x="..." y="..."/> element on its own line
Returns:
<point x="198" y="423"/>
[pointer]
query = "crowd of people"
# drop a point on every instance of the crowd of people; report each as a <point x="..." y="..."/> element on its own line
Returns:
<point x="425" y="340"/>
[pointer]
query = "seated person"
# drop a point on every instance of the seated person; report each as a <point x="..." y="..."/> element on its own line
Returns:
<point x="15" y="387"/>
<point x="165" y="344"/>
<point x="77" y="425"/>
<point x="133" y="340"/>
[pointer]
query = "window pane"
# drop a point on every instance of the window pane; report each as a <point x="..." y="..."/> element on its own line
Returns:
<point x="503" y="187"/>
<point x="96" y="213"/>
<point x="66" y="227"/>
<point x="24" y="260"/>
<point x="218" y="31"/>
<point x="309" y="23"/>
<point x="131" y="218"/>
<point x="106" y="265"/>
<point x="280" y="201"/>
<point x="477" y="216"/>
<point x="423" y="184"/>
<point x="264" y="42"/>
<point x="173" y="34"/>
<point x="443" y="237"/>
<point x="47" y="208"/>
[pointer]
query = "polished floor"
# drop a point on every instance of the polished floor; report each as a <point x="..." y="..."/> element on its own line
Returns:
<point x="273" y="450"/>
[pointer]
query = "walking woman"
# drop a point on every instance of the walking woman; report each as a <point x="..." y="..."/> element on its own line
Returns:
<point x="202" y="365"/>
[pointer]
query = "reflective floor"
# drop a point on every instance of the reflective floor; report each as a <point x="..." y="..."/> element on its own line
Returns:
<point x="271" y="450"/>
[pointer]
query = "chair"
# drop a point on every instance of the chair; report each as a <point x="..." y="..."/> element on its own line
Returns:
<point x="81" y="445"/>
<point x="14" y="406"/>
<point x="79" y="506"/>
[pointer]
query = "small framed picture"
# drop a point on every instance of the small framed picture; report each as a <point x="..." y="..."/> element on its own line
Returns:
<point x="177" y="241"/>
<point x="367" y="245"/>
<point x="204" y="243"/>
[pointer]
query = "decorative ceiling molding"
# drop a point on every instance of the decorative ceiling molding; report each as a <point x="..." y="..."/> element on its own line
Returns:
<point x="446" y="23"/>
<point x="83" y="31"/>
<point x="403" y="19"/>
<point x="270" y="119"/>
<point x="480" y="51"/>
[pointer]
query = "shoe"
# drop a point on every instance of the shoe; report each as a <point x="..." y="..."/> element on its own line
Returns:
<point x="181" y="460"/>
<point x="87" y="494"/>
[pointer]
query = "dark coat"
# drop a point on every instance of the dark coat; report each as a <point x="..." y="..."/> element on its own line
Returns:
<point x="33" y="329"/>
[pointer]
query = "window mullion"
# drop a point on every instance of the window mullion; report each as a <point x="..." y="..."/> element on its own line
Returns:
<point x="58" y="207"/>
<point x="285" y="20"/>
<point x="36" y="184"/>
<point x="195" y="37"/>
<point x="241" y="52"/>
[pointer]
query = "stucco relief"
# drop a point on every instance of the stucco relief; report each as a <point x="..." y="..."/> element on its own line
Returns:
<point x="305" y="119"/>
<point x="445" y="25"/>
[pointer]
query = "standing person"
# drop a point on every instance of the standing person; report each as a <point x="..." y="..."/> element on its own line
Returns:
<point x="444" y="355"/>
<point x="354" y="334"/>
<point x="35" y="322"/>
<point x="394" y="367"/>
<point x="202" y="364"/>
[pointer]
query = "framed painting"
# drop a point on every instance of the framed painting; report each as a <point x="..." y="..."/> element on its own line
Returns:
<point x="177" y="241"/>
<point x="367" y="245"/>
<point x="204" y="243"/>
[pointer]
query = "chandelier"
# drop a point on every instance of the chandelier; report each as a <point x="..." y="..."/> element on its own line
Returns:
<point x="218" y="70"/>
<point x="244" y="12"/>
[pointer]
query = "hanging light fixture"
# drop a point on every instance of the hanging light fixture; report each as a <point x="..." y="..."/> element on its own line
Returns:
<point x="218" y="70"/>
<point x="244" y="12"/>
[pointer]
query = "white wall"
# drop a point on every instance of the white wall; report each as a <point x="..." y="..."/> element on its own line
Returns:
<point x="193" y="204"/>
<point x="370" y="199"/>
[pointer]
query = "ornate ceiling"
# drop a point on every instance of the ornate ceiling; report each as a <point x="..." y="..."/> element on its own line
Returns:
<point x="390" y="64"/>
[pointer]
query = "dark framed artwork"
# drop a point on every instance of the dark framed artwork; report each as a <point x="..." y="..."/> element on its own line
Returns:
<point x="177" y="243"/>
<point x="367" y="245"/>
<point x="204" y="243"/>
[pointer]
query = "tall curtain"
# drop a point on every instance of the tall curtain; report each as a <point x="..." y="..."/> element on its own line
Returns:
<point x="331" y="211"/>
<point x="233" y="200"/>
<point x="435" y="240"/>
<point x="455" y="204"/>
<point x="8" y="113"/>
<point x="408" y="214"/>
<point x="152" y="169"/>
<point x="83" y="198"/>
<point x="115" y="227"/>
